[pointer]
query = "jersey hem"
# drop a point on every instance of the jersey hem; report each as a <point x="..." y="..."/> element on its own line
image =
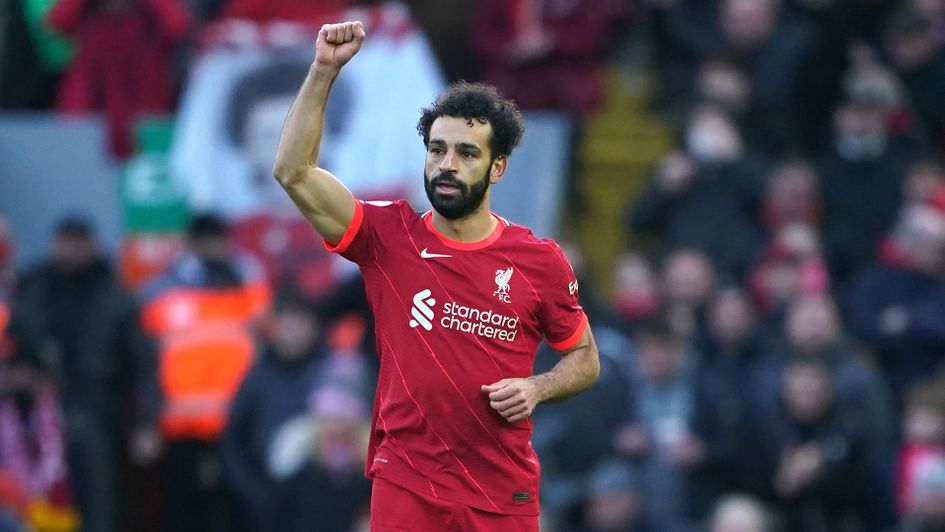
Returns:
<point x="572" y="340"/>
<point x="350" y="232"/>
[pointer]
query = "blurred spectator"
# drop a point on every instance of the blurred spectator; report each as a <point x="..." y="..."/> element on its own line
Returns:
<point x="813" y="330"/>
<point x="923" y="445"/>
<point x="201" y="313"/>
<point x="865" y="156"/>
<point x="919" y="59"/>
<point x="271" y="400"/>
<point x="738" y="513"/>
<point x="791" y="194"/>
<point x="924" y="177"/>
<point x="322" y="467"/>
<point x="657" y="432"/>
<point x="687" y="281"/>
<point x="636" y="291"/>
<point x="71" y="317"/>
<point x="791" y="266"/>
<point x="546" y="54"/>
<point x="613" y="502"/>
<point x="714" y="179"/>
<point x="731" y="351"/>
<point x="122" y="63"/>
<point x="894" y="305"/>
<point x="818" y="452"/>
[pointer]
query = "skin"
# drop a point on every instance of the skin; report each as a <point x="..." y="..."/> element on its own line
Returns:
<point x="456" y="146"/>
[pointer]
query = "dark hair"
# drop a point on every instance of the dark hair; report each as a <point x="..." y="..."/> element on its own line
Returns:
<point x="477" y="101"/>
<point x="74" y="225"/>
<point x="207" y="225"/>
<point x="659" y="328"/>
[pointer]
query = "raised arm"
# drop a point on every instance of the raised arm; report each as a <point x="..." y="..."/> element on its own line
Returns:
<point x="320" y="196"/>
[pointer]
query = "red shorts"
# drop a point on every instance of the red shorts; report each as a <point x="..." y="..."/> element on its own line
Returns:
<point x="394" y="508"/>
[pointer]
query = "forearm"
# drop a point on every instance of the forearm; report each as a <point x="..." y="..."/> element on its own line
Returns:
<point x="302" y="133"/>
<point x="575" y="372"/>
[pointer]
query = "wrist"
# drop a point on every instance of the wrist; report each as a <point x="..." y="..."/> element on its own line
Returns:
<point x="324" y="71"/>
<point x="540" y="386"/>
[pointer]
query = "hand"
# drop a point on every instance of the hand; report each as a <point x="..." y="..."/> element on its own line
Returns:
<point x="799" y="468"/>
<point x="337" y="43"/>
<point x="514" y="399"/>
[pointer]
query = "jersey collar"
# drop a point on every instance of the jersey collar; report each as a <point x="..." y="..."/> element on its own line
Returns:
<point x="466" y="246"/>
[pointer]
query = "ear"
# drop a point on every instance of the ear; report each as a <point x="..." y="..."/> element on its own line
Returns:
<point x="498" y="169"/>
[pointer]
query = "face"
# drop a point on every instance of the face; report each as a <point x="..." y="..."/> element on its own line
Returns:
<point x="921" y="234"/>
<point x="294" y="333"/>
<point x="614" y="511"/>
<point x="922" y="180"/>
<point x="812" y="324"/>
<point x="731" y="317"/>
<point x="660" y="359"/>
<point x="74" y="251"/>
<point x="748" y="23"/>
<point x="924" y="424"/>
<point x="806" y="391"/>
<point x="792" y="190"/>
<point x="459" y="166"/>
<point x="211" y="248"/>
<point x="688" y="277"/>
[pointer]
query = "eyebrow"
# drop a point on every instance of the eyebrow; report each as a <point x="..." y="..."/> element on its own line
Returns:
<point x="461" y="145"/>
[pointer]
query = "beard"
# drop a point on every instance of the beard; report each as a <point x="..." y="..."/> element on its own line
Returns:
<point x="456" y="206"/>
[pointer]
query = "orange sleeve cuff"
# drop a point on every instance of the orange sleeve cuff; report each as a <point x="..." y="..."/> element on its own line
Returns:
<point x="352" y="231"/>
<point x="572" y="340"/>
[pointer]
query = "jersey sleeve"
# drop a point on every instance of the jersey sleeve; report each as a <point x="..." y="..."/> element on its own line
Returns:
<point x="560" y="314"/>
<point x="363" y="240"/>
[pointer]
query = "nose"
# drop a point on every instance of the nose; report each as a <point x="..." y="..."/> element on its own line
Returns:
<point x="448" y="162"/>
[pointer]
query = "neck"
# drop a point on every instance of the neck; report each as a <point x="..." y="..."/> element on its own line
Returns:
<point x="472" y="228"/>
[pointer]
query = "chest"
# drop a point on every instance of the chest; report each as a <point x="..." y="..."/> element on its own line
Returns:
<point x="487" y="290"/>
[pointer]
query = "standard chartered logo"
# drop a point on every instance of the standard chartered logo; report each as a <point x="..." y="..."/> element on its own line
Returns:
<point x="485" y="323"/>
<point x="422" y="310"/>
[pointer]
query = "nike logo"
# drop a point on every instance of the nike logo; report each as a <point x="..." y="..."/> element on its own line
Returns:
<point x="427" y="255"/>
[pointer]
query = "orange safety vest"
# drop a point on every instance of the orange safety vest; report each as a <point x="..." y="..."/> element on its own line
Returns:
<point x="206" y="347"/>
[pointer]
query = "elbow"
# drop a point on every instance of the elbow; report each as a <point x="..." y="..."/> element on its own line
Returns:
<point x="287" y="175"/>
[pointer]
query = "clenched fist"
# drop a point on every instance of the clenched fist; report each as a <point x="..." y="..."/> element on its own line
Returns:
<point x="337" y="43"/>
<point x="514" y="399"/>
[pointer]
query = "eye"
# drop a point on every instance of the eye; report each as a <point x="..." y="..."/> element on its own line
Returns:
<point x="468" y="154"/>
<point x="436" y="151"/>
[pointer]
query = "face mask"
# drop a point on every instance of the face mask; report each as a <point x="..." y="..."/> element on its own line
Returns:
<point x="712" y="145"/>
<point x="853" y="147"/>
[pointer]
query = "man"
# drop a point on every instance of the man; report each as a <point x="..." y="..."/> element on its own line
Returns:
<point x="461" y="299"/>
<point x="71" y="317"/>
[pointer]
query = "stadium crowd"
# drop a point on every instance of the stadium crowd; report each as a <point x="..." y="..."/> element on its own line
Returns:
<point x="772" y="349"/>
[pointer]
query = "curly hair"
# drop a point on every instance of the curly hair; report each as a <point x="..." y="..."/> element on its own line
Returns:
<point x="481" y="102"/>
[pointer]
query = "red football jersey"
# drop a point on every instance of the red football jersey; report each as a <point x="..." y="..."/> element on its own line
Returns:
<point x="450" y="317"/>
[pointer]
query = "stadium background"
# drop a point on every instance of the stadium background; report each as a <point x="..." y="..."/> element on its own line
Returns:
<point x="751" y="192"/>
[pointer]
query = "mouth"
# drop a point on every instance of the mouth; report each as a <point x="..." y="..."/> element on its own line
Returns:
<point x="447" y="189"/>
